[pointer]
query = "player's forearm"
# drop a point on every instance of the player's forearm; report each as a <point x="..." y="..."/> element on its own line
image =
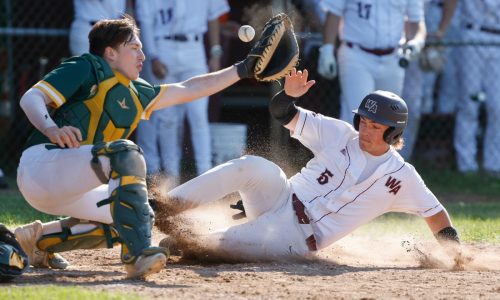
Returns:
<point x="214" y="32"/>
<point x="331" y="28"/>
<point x="442" y="228"/>
<point x="33" y="103"/>
<point x="416" y="31"/>
<point x="448" y="11"/>
<point x="197" y="87"/>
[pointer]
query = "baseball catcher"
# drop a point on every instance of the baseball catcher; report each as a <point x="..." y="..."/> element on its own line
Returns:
<point x="274" y="54"/>
<point x="13" y="260"/>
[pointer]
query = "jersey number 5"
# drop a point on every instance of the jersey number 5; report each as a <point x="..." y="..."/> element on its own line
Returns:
<point x="364" y="10"/>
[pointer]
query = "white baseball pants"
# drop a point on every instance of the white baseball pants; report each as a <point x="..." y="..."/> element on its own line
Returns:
<point x="479" y="72"/>
<point x="272" y="231"/>
<point x="62" y="182"/>
<point x="362" y="73"/>
<point x="161" y="136"/>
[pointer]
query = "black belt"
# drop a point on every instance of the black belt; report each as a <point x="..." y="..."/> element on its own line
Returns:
<point x="180" y="37"/>
<point x="378" y="52"/>
<point x="299" y="208"/>
<point x="484" y="28"/>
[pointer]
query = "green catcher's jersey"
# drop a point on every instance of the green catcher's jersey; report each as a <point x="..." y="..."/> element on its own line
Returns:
<point x="87" y="94"/>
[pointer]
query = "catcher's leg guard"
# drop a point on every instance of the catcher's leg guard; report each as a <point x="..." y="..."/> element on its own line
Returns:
<point x="101" y="236"/>
<point x="132" y="216"/>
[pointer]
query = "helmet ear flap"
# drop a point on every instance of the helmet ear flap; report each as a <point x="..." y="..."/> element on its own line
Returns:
<point x="392" y="134"/>
<point x="355" y="121"/>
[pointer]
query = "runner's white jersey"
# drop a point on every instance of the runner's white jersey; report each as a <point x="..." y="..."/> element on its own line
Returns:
<point x="327" y="185"/>
<point x="374" y="23"/>
<point x="95" y="10"/>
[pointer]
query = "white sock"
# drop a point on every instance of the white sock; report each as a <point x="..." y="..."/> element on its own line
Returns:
<point x="51" y="227"/>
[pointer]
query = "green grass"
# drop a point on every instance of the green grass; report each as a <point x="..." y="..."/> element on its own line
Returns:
<point x="448" y="181"/>
<point x="475" y="221"/>
<point x="14" y="210"/>
<point x="54" y="292"/>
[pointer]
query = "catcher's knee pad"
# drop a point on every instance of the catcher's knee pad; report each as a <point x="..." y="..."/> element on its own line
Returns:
<point x="132" y="216"/>
<point x="125" y="159"/>
<point x="101" y="236"/>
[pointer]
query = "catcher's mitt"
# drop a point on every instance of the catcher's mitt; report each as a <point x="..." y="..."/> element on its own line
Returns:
<point x="275" y="53"/>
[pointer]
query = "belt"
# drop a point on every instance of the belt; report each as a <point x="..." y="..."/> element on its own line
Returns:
<point x="181" y="38"/>
<point x="483" y="28"/>
<point x="378" y="52"/>
<point x="299" y="208"/>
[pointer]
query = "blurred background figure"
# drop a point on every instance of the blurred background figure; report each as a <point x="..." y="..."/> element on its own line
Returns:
<point x="418" y="90"/>
<point x="370" y="34"/>
<point x="173" y="37"/>
<point x="479" y="71"/>
<point x="3" y="181"/>
<point x="87" y="13"/>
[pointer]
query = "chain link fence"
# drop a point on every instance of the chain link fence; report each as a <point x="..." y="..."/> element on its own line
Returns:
<point x="34" y="39"/>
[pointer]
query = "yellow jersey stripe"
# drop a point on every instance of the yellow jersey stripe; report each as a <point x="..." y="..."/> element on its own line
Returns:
<point x="149" y="109"/>
<point x="50" y="91"/>
<point x="137" y="104"/>
<point x="95" y="106"/>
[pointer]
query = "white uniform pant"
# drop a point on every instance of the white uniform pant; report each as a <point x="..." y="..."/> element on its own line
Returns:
<point x="272" y="231"/>
<point x="412" y="94"/>
<point x="78" y="37"/>
<point x="161" y="136"/>
<point x="62" y="182"/>
<point x="479" y="72"/>
<point x="362" y="73"/>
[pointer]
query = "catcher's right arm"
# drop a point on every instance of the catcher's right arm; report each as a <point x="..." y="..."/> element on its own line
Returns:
<point x="275" y="53"/>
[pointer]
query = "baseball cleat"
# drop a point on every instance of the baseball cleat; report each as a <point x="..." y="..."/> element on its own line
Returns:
<point x="146" y="265"/>
<point x="27" y="236"/>
<point x="56" y="261"/>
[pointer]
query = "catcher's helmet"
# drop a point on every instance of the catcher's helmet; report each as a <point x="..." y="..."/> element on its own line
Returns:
<point x="385" y="108"/>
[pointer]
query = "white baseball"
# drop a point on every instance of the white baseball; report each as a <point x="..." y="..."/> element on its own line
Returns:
<point x="246" y="33"/>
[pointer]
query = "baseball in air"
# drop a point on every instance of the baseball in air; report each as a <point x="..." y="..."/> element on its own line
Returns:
<point x="246" y="33"/>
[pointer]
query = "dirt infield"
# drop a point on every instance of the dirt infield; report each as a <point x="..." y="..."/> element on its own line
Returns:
<point x="356" y="267"/>
<point x="339" y="275"/>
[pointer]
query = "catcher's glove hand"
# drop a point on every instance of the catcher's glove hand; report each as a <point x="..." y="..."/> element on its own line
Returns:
<point x="275" y="53"/>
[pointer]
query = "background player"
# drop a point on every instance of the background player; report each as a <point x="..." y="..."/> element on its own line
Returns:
<point x="353" y="178"/>
<point x="368" y="58"/>
<point x="479" y="70"/>
<point x="86" y="14"/>
<point x="419" y="86"/>
<point x="173" y="33"/>
<point x="78" y="155"/>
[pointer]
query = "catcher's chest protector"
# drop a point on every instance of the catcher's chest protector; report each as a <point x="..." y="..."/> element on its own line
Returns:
<point x="106" y="107"/>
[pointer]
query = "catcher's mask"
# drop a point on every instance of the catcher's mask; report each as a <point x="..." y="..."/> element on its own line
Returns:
<point x="385" y="108"/>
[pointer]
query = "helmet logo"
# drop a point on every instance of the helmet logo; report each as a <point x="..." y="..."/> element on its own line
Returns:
<point x="371" y="106"/>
